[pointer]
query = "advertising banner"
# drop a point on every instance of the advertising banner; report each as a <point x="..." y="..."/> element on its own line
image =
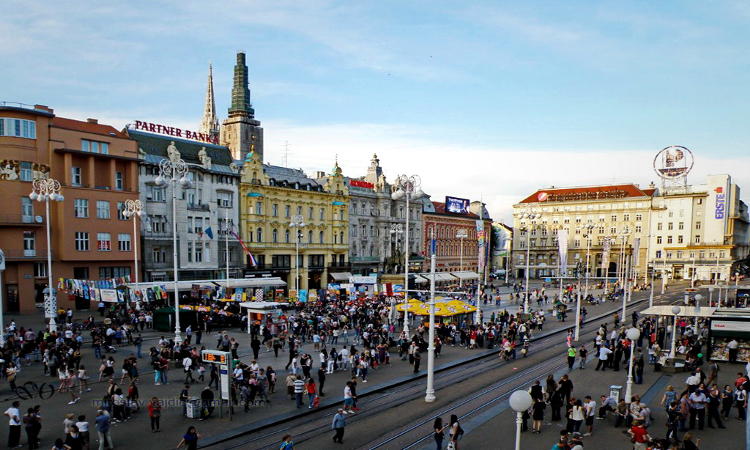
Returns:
<point x="562" y="247"/>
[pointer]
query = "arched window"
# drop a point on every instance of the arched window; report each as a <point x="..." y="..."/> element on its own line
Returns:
<point x="309" y="237"/>
<point x="259" y="234"/>
<point x="320" y="236"/>
<point x="275" y="235"/>
<point x="286" y="236"/>
<point x="341" y="237"/>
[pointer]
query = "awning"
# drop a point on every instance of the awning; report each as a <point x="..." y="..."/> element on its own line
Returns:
<point x="186" y="285"/>
<point x="685" y="311"/>
<point x="439" y="276"/>
<point x="340" y="276"/>
<point x="419" y="279"/>
<point x="466" y="275"/>
<point x="261" y="307"/>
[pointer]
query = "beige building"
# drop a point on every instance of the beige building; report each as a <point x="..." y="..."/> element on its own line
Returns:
<point x="591" y="216"/>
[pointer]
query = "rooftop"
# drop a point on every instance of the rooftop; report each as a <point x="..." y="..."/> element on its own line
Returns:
<point x="88" y="126"/>
<point x="601" y="192"/>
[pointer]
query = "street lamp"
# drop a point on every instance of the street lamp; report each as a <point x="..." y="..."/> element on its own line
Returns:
<point x="44" y="190"/>
<point x="624" y="233"/>
<point x="633" y="334"/>
<point x="520" y="401"/>
<point x="134" y="209"/>
<point x="461" y="235"/>
<point x="407" y="187"/>
<point x="430" y="393"/>
<point x="675" y="310"/>
<point x="297" y="222"/>
<point x="531" y="216"/>
<point x="698" y="298"/>
<point x="396" y="232"/>
<point x="174" y="172"/>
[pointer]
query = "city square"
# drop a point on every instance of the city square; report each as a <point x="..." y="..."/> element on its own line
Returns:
<point x="283" y="246"/>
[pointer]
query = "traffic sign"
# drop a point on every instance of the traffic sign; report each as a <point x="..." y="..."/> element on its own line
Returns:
<point x="215" y="357"/>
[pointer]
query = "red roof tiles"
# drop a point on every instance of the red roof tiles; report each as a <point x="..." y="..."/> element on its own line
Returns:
<point x="587" y="193"/>
<point x="87" y="127"/>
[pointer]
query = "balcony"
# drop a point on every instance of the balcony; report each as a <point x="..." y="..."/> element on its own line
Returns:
<point x="339" y="267"/>
<point x="12" y="220"/>
<point x="197" y="207"/>
<point x="17" y="254"/>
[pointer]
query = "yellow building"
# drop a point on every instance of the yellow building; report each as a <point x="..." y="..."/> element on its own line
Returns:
<point x="279" y="204"/>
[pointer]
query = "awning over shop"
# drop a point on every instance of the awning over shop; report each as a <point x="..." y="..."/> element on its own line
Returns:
<point x="419" y="279"/>
<point x="685" y="311"/>
<point x="341" y="276"/>
<point x="439" y="276"/>
<point x="466" y="275"/>
<point x="261" y="307"/>
<point x="186" y="285"/>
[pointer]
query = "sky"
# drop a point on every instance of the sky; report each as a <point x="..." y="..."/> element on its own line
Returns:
<point x="483" y="100"/>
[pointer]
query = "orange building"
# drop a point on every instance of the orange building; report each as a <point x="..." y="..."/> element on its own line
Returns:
<point x="97" y="167"/>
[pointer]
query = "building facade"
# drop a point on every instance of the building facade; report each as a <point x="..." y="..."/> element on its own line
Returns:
<point x="377" y="225"/>
<point x="295" y="227"/>
<point x="698" y="231"/>
<point x="456" y="237"/>
<point x="203" y="209"/>
<point x="593" y="217"/>
<point x="502" y="241"/>
<point x="96" y="166"/>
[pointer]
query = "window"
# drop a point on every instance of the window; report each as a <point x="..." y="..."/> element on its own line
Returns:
<point x="104" y="242"/>
<point x="118" y="181"/>
<point x="626" y="217"/>
<point x="190" y="224"/>
<point x="671" y="214"/>
<point x="669" y="255"/>
<point x="102" y="209"/>
<point x="287" y="211"/>
<point x="658" y="239"/>
<point x="27" y="210"/>
<point x="670" y="226"/>
<point x="40" y="270"/>
<point x="81" y="208"/>
<point x="577" y="243"/>
<point x="275" y="210"/>
<point x="659" y="226"/>
<point x="82" y="241"/>
<point x="638" y="217"/>
<point x="669" y="239"/>
<point x="25" y="170"/>
<point x="94" y="146"/>
<point x="29" y="243"/>
<point x="320" y="237"/>
<point x="286" y="236"/>
<point x="697" y="225"/>
<point x="198" y="252"/>
<point x="697" y="239"/>
<point x="310" y="213"/>
<point x="17" y="128"/>
<point x="190" y="252"/>
<point x="158" y="255"/>
<point x="680" y="239"/>
<point x="601" y="230"/>
<point x="613" y="218"/>
<point x="224" y="199"/>
<point x="198" y="227"/>
<point x="658" y="253"/>
<point x="299" y="210"/>
<point x="703" y="255"/>
<point x="275" y="236"/>
<point x="114" y="272"/>
<point x="613" y="230"/>
<point x="679" y="255"/>
<point x="259" y="234"/>
<point x="156" y="193"/>
<point x="341" y="236"/>
<point x="123" y="242"/>
<point x="259" y="208"/>
<point x="638" y="229"/>
<point x="75" y="176"/>
<point x="157" y="224"/>
<point x="700" y="201"/>
<point x="681" y="226"/>
<point x="322" y="213"/>
<point x="121" y="211"/>
<point x="309" y="237"/>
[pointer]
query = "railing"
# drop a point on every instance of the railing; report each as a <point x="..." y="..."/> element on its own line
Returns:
<point x="20" y="105"/>
<point x="20" y="219"/>
<point x="16" y="253"/>
<point x="197" y="207"/>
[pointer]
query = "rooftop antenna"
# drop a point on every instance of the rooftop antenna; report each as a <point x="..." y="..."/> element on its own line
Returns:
<point x="286" y="153"/>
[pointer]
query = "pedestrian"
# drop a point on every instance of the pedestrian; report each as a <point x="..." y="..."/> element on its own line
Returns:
<point x="438" y="432"/>
<point x="582" y="354"/>
<point x="312" y="391"/>
<point x="83" y="428"/>
<point x="299" y="390"/>
<point x="688" y="444"/>
<point x="154" y="414"/>
<point x="576" y="417"/>
<point x="287" y="443"/>
<point x="589" y="408"/>
<point x="14" y="424"/>
<point x="698" y="402"/>
<point x="639" y="435"/>
<point x="103" y="428"/>
<point x="714" y="404"/>
<point x="740" y="401"/>
<point x="604" y="353"/>
<point x="189" y="439"/>
<point x="321" y="381"/>
<point x="417" y="359"/>
<point x="338" y="425"/>
<point x="74" y="440"/>
<point x="30" y="425"/>
<point x="571" y="357"/>
<point x="348" y="398"/>
<point x="537" y="415"/>
<point x="455" y="432"/>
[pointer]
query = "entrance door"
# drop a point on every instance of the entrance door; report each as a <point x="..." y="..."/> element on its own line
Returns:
<point x="12" y="304"/>
<point x="521" y="273"/>
<point x="612" y="269"/>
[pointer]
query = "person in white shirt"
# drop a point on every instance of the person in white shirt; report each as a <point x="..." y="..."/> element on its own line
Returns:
<point x="732" y="347"/>
<point x="604" y="353"/>
<point x="14" y="425"/>
<point x="187" y="364"/>
<point x="589" y="407"/>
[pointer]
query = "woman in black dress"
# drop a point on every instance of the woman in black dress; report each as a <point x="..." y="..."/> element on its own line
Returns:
<point x="537" y="415"/>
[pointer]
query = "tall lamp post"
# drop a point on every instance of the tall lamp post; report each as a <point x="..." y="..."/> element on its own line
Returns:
<point x="174" y="172"/>
<point x="531" y="216"/>
<point x="297" y="223"/>
<point x="407" y="187"/>
<point x="46" y="190"/>
<point x="633" y="334"/>
<point x="624" y="233"/>
<point x="430" y="393"/>
<point x="675" y="311"/>
<point x="520" y="401"/>
<point x="134" y="209"/>
<point x="461" y="235"/>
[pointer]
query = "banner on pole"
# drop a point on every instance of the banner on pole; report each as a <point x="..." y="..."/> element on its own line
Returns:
<point x="562" y="246"/>
<point x="636" y="251"/>
<point x="605" y="256"/>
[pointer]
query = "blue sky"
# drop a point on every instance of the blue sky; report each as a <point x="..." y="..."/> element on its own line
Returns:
<point x="482" y="99"/>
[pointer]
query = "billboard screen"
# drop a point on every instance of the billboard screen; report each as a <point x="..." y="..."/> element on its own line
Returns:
<point x="456" y="205"/>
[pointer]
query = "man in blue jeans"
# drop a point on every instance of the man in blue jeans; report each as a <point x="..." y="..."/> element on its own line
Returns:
<point x="102" y="428"/>
<point x="338" y="424"/>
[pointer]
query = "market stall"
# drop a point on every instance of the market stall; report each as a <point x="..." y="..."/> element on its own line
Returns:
<point x="261" y="312"/>
<point x="727" y="325"/>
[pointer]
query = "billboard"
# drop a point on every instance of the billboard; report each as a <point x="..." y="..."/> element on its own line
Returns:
<point x="456" y="205"/>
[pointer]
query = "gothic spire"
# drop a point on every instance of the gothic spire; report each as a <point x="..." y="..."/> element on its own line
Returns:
<point x="210" y="124"/>
<point x="240" y="90"/>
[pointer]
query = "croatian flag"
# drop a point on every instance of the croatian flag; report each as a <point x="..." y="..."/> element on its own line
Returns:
<point x="244" y="247"/>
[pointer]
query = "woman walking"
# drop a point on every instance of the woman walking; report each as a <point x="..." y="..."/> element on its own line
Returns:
<point x="438" y="429"/>
<point x="154" y="414"/>
<point x="537" y="415"/>
<point x="455" y="431"/>
<point x="190" y="439"/>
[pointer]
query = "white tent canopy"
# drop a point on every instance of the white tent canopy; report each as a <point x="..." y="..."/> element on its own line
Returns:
<point x="341" y="276"/>
<point x="466" y="275"/>
<point x="186" y="285"/>
<point x="685" y="311"/>
<point x="419" y="279"/>
<point x="439" y="276"/>
<point x="261" y="307"/>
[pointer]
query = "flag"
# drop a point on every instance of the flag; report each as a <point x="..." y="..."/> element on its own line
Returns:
<point x="209" y="232"/>
<point x="562" y="247"/>
<point x="244" y="247"/>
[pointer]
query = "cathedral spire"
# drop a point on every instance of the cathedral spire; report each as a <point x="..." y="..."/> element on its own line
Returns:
<point x="240" y="90"/>
<point x="210" y="124"/>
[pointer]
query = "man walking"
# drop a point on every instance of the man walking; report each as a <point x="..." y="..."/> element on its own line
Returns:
<point x="571" y="357"/>
<point x="14" y="425"/>
<point x="604" y="353"/>
<point x="339" y="422"/>
<point x="102" y="429"/>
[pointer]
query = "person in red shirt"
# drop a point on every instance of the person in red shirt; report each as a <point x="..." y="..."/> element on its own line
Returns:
<point x="639" y="435"/>
<point x="311" y="390"/>
<point x="740" y="380"/>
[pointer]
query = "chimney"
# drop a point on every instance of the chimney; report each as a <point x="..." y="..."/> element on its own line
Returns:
<point x="43" y="108"/>
<point x="92" y="120"/>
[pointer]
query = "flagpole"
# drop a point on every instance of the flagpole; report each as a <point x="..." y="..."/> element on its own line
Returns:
<point x="226" y="247"/>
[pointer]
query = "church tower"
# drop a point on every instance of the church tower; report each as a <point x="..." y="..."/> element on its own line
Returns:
<point x="210" y="124"/>
<point x="240" y="130"/>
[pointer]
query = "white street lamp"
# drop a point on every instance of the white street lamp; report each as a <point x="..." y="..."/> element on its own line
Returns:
<point x="407" y="188"/>
<point x="624" y="233"/>
<point x="174" y="172"/>
<point x="651" y="294"/>
<point x="297" y="223"/>
<point x="44" y="190"/>
<point x="675" y="311"/>
<point x="633" y="334"/>
<point x="134" y="209"/>
<point x="430" y="393"/>
<point x="520" y="401"/>
<point x="461" y="235"/>
<point x="531" y="216"/>
<point x="698" y="298"/>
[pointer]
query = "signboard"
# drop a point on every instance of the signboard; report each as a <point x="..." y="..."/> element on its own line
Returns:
<point x="360" y="279"/>
<point x="673" y="162"/>
<point x="303" y="295"/>
<point x="718" y="208"/>
<point x="455" y="205"/>
<point x="562" y="248"/>
<point x="581" y="195"/>
<point x="730" y="325"/>
<point x="215" y="357"/>
<point x="224" y="379"/>
<point x="2" y="260"/>
<point x="361" y="184"/>
<point x="175" y="132"/>
<point x="108" y="295"/>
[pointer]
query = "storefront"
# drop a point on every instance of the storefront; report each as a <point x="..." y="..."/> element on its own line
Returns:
<point x="724" y="327"/>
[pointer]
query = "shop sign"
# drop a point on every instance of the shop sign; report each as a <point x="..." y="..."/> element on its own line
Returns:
<point x="357" y="279"/>
<point x="175" y="132"/>
<point x="720" y="207"/>
<point x="361" y="184"/>
<point x="730" y="325"/>
<point x="108" y="295"/>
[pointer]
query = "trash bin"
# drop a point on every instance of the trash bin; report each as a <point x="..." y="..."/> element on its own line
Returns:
<point x="614" y="392"/>
<point x="193" y="408"/>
